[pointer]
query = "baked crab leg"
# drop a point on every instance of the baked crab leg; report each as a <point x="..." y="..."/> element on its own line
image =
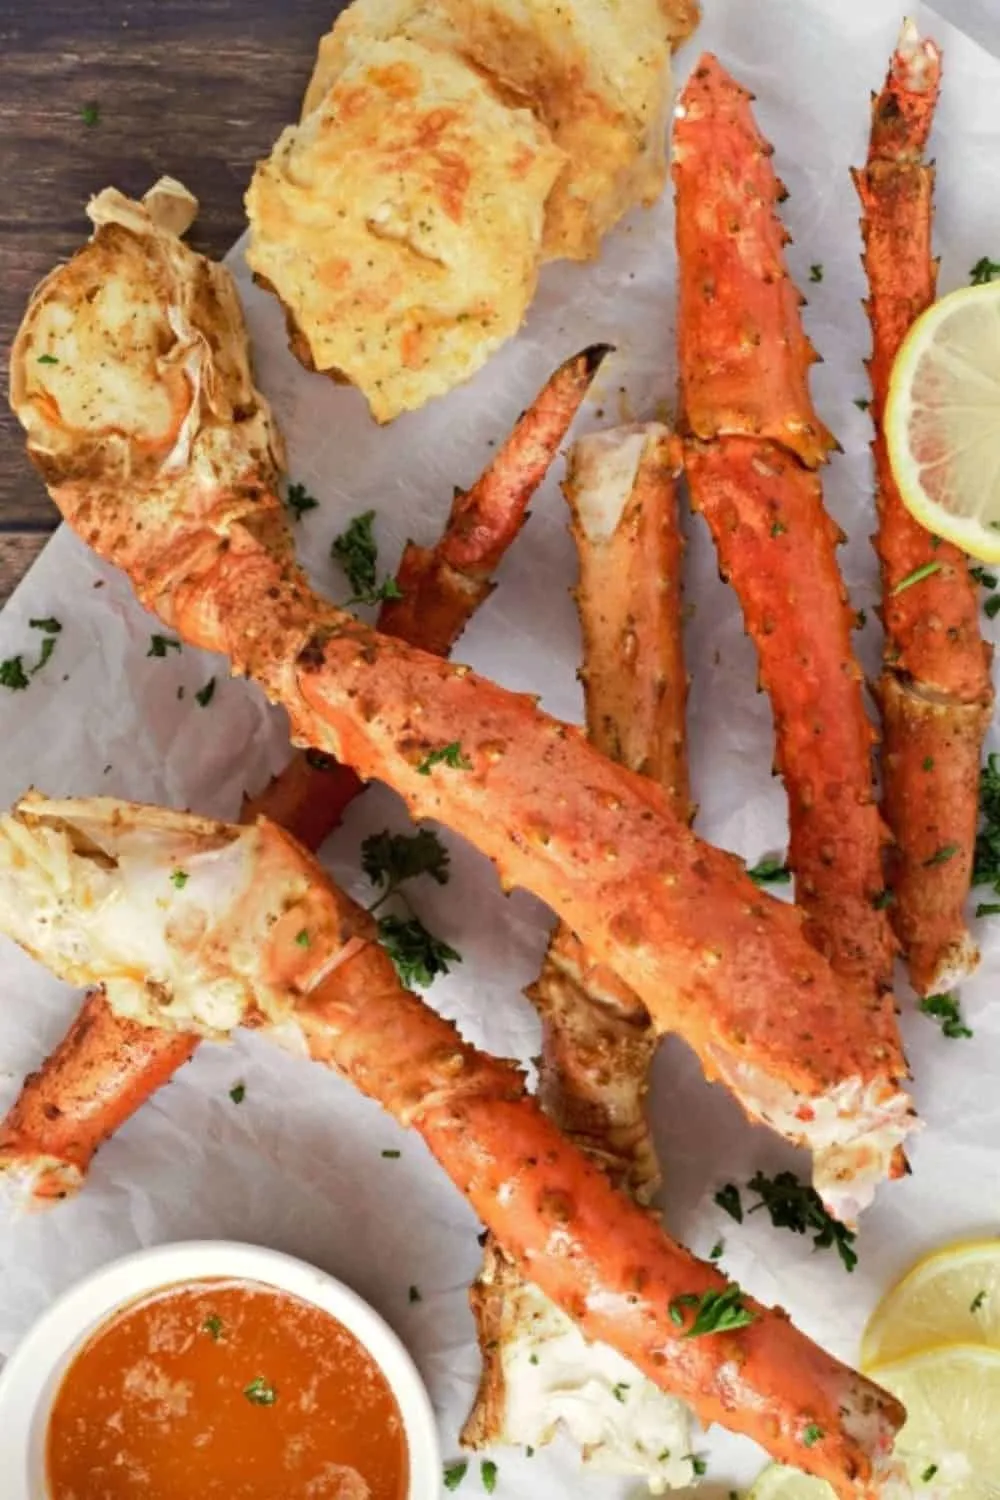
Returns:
<point x="597" y="1041"/>
<point x="934" y="693"/>
<point x="160" y="452"/>
<point x="107" y="1066"/>
<point x="256" y="934"/>
<point x="755" y="444"/>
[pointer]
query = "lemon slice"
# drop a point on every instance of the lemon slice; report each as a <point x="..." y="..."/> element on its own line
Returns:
<point x="942" y="420"/>
<point x="779" y="1483"/>
<point x="949" y="1443"/>
<point x="951" y="1296"/>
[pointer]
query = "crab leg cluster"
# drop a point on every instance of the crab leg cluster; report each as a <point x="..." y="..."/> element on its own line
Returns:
<point x="935" y="692"/>
<point x="256" y="934"/>
<point x="180" y="494"/>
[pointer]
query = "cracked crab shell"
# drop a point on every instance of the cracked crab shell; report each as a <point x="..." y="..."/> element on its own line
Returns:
<point x="131" y="366"/>
<point x="400" y="224"/>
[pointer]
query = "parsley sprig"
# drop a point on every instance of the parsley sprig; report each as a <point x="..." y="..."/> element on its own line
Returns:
<point x="947" y="1010"/>
<point x="714" y="1312"/>
<point x="769" y="871"/>
<point x="390" y="860"/>
<point x="356" y="550"/>
<point x="445" y="755"/>
<point x="299" y="500"/>
<point x="986" y="865"/>
<point x="12" y="671"/>
<point x="419" y="956"/>
<point x="984" y="270"/>
<point x="793" y="1205"/>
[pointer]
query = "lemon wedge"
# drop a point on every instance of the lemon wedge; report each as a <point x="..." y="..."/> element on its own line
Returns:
<point x="949" y="1443"/>
<point x="779" y="1483"/>
<point x="942" y="420"/>
<point x="951" y="1296"/>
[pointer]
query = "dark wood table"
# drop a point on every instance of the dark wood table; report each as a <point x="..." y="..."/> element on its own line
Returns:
<point x="196" y="88"/>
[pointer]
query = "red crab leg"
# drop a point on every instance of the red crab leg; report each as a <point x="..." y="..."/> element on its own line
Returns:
<point x="751" y="477"/>
<point x="935" y="692"/>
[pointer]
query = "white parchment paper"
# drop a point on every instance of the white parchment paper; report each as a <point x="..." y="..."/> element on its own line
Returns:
<point x="299" y="1165"/>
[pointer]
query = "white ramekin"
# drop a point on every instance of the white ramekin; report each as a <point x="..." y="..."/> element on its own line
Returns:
<point x="32" y="1375"/>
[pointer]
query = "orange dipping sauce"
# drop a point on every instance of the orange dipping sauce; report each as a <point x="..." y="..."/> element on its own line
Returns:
<point x="225" y="1390"/>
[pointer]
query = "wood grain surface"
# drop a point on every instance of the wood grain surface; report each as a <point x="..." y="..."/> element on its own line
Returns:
<point x="196" y="88"/>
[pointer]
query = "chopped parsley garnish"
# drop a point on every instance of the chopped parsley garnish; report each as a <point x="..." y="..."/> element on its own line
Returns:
<point x="928" y="763"/>
<point x="816" y="273"/>
<point x="812" y="1435"/>
<point x="793" y="1205"/>
<point x="946" y="1009"/>
<point x="90" y="114"/>
<point x="529" y="1451"/>
<point x="447" y="755"/>
<point x="48" y="646"/>
<point x="159" y="645"/>
<point x="860" y="619"/>
<point x="532" y="1359"/>
<point x="884" y="899"/>
<point x="714" y="1312"/>
<point x="728" y="1198"/>
<point x="977" y="1302"/>
<point x="418" y="955"/>
<point x="991" y="607"/>
<point x="917" y="576"/>
<point x="929" y="1473"/>
<point x="984" y="579"/>
<point x="618" y="1390"/>
<point x="862" y="403"/>
<point x="716" y="1251"/>
<point x="391" y="1154"/>
<point x="47" y="359"/>
<point x="179" y="878"/>
<point x="238" y="1093"/>
<point x="299" y="500"/>
<point x="986" y="865"/>
<point x="454" y="1474"/>
<point x="699" y="1465"/>
<point x="769" y="871"/>
<point x="778" y="528"/>
<point x="984" y="270"/>
<point x="488" y="1475"/>
<point x="941" y="856"/>
<point x="388" y="859"/>
<point x="205" y="695"/>
<point x="12" y="674"/>
<point x="213" y="1327"/>
<point x="356" y="550"/>
<point x="415" y="1294"/>
<point x="260" y="1392"/>
<point x="302" y="938"/>
<point x="988" y="909"/>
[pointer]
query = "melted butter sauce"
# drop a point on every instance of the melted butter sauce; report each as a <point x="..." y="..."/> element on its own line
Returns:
<point x="225" y="1391"/>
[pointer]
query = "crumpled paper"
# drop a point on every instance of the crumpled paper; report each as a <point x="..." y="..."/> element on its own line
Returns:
<point x="299" y="1164"/>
